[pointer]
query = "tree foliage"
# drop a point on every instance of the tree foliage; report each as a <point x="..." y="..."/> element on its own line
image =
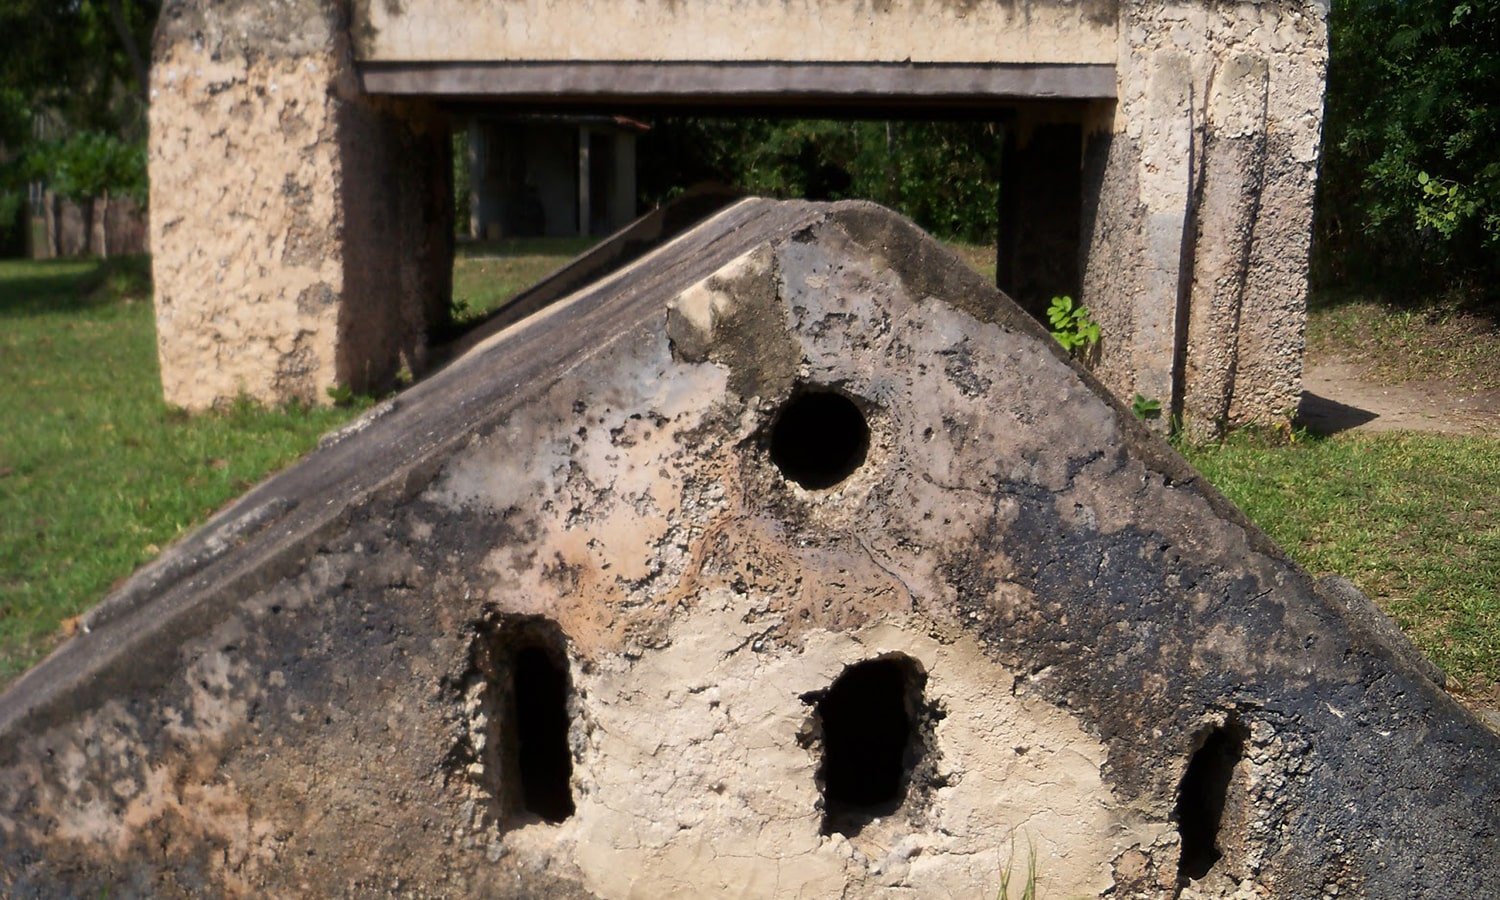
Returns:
<point x="78" y="63"/>
<point x="1411" y="169"/>
<point x="72" y="98"/>
<point x="942" y="174"/>
<point x="91" y="163"/>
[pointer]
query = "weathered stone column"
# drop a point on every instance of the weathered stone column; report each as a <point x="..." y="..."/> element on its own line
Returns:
<point x="1198" y="219"/>
<point x="301" y="234"/>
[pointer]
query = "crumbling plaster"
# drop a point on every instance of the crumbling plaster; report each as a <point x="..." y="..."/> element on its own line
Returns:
<point x="1066" y="582"/>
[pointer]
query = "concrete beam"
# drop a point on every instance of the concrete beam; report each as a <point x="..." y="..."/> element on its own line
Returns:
<point x="739" y="82"/>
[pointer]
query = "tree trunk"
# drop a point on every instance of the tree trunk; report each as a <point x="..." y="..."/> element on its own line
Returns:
<point x="132" y="52"/>
<point x="99" y="207"/>
<point x="52" y="217"/>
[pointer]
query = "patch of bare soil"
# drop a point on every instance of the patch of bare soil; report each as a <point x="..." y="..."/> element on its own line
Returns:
<point x="1339" y="395"/>
<point x="1378" y="367"/>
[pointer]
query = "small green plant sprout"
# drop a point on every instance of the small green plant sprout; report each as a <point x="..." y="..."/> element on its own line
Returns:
<point x="1008" y="873"/>
<point x="1072" y="326"/>
<point x="341" y="394"/>
<point x="404" y="375"/>
<point x="1145" y="407"/>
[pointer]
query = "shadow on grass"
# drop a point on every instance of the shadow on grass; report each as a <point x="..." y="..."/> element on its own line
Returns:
<point x="1482" y="305"/>
<point x="51" y="286"/>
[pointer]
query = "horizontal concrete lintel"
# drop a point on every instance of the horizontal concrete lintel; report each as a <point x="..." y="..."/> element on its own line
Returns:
<point x="755" y="82"/>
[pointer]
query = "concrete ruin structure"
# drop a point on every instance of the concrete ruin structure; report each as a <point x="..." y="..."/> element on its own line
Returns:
<point x="791" y="559"/>
<point x="1160" y="163"/>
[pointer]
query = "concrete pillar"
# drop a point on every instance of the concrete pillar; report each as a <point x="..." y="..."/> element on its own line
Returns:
<point x="622" y="192"/>
<point x="301" y="233"/>
<point x="1198" y="208"/>
<point x="585" y="213"/>
<point x="477" y="152"/>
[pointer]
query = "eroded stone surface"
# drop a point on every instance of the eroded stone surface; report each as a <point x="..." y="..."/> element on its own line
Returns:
<point x="288" y="257"/>
<point x="1197" y="260"/>
<point x="295" y="702"/>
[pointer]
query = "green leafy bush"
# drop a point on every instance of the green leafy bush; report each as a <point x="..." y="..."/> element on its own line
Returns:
<point x="1411" y="178"/>
<point x="944" y="175"/>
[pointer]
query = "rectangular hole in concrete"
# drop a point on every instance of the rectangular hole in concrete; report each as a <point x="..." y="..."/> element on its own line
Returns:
<point x="870" y="722"/>
<point x="1202" y="795"/>
<point x="527" y="707"/>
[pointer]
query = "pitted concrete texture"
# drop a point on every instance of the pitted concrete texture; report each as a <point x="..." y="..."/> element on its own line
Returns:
<point x="320" y="692"/>
<point x="279" y="273"/>
<point x="1197" y="266"/>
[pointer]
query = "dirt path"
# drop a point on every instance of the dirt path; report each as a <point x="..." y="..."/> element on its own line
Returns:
<point x="1338" y="395"/>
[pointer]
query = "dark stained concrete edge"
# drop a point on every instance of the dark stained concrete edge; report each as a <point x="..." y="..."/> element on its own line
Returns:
<point x="740" y="82"/>
<point x="396" y="447"/>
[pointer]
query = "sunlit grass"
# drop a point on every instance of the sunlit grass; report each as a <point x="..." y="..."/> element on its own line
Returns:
<point x="97" y="474"/>
<point x="487" y="273"/>
<point x="1412" y="519"/>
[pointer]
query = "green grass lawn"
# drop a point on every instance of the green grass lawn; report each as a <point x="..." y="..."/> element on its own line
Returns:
<point x="487" y="273"/>
<point x="97" y="474"/>
<point x="1412" y="519"/>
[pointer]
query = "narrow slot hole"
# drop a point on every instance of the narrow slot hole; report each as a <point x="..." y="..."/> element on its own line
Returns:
<point x="819" y="438"/>
<point x="1202" y="796"/>
<point x="544" y="763"/>
<point x="868" y="721"/>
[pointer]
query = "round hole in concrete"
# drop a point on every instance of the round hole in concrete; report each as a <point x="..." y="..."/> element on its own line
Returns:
<point x="819" y="438"/>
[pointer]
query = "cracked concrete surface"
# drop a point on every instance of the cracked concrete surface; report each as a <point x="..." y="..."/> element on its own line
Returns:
<point x="289" y="701"/>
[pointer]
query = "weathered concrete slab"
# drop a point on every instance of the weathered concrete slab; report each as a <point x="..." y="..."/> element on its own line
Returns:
<point x="1023" y="31"/>
<point x="791" y="559"/>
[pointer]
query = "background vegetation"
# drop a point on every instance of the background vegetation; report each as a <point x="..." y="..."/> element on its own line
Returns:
<point x="945" y="175"/>
<point x="73" y="83"/>
<point x="1410" y="189"/>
